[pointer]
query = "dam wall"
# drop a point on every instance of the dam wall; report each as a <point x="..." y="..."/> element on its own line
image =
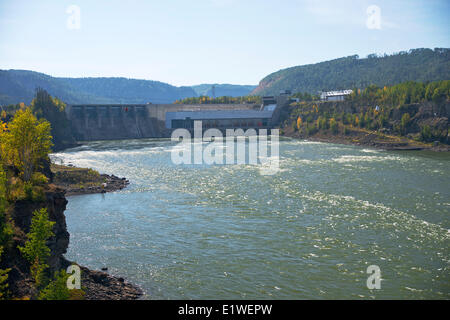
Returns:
<point x="131" y="121"/>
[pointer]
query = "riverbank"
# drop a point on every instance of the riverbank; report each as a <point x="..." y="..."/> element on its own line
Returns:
<point x="78" y="181"/>
<point x="97" y="285"/>
<point x="366" y="138"/>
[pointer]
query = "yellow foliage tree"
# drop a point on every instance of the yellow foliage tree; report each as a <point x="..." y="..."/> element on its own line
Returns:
<point x="299" y="123"/>
<point x="26" y="142"/>
<point x="3" y="126"/>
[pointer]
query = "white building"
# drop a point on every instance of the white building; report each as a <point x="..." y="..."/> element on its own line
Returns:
<point x="335" y="95"/>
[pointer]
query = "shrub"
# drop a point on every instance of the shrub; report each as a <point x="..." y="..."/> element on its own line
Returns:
<point x="311" y="130"/>
<point x="76" y="294"/>
<point x="5" y="226"/>
<point x="333" y="126"/>
<point x="426" y="134"/>
<point x="39" y="179"/>
<point x="56" y="289"/>
<point x="3" y="279"/>
<point x="28" y="189"/>
<point x="405" y="122"/>
<point x="382" y="121"/>
<point x="322" y="123"/>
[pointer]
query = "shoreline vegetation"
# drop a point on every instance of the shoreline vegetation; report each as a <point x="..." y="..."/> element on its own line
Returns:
<point x="77" y="181"/>
<point x="33" y="230"/>
<point x="371" y="139"/>
<point x="407" y="116"/>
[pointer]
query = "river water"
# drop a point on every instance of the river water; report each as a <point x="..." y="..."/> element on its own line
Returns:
<point x="227" y="232"/>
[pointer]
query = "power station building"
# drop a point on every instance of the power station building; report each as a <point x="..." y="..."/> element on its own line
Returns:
<point x="264" y="118"/>
<point x="335" y="95"/>
<point x="220" y="119"/>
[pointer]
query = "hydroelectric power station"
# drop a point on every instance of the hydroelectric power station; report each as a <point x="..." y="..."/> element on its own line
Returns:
<point x="134" y="121"/>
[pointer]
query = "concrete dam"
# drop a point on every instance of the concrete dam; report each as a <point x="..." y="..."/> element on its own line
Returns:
<point x="132" y="121"/>
<point x="136" y="121"/>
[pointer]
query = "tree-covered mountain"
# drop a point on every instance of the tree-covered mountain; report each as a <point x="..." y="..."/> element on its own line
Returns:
<point x="19" y="86"/>
<point x="222" y="90"/>
<point x="421" y="65"/>
<point x="352" y="72"/>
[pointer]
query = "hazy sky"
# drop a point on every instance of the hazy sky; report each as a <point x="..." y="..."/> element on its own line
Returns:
<point x="208" y="41"/>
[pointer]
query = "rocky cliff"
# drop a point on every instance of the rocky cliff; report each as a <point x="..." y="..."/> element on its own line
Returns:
<point x="97" y="285"/>
<point x="20" y="281"/>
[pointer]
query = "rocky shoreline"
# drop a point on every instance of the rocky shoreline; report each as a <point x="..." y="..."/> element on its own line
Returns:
<point x="369" y="139"/>
<point x="98" y="285"/>
<point x="112" y="183"/>
<point x="76" y="181"/>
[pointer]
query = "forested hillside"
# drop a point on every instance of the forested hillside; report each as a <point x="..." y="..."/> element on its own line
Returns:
<point x="19" y="86"/>
<point x="409" y="114"/>
<point x="415" y="65"/>
<point x="223" y="90"/>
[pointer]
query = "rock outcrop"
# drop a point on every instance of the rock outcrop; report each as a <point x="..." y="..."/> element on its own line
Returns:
<point x="98" y="285"/>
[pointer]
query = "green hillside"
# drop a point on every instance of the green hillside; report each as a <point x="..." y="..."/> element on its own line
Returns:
<point x="222" y="90"/>
<point x="19" y="86"/>
<point x="421" y="65"/>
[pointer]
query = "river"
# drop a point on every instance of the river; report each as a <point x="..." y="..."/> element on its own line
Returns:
<point x="227" y="232"/>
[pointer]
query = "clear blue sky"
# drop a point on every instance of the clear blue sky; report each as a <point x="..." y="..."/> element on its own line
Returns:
<point x="208" y="41"/>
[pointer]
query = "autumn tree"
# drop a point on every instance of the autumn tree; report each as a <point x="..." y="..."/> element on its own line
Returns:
<point x="333" y="126"/>
<point x="26" y="142"/>
<point x="299" y="123"/>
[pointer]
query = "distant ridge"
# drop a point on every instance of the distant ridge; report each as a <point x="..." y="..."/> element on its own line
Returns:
<point x="229" y="90"/>
<point x="352" y="72"/>
<point x="19" y="86"/>
<point x="349" y="72"/>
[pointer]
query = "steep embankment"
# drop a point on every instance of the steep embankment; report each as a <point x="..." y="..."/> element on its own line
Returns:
<point x="20" y="280"/>
<point x="426" y="127"/>
<point x="351" y="72"/>
<point x="96" y="284"/>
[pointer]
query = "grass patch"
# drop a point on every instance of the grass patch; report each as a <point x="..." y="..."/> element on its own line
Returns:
<point x="76" y="177"/>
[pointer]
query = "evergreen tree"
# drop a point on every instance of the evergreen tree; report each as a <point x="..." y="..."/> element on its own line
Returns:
<point x="56" y="289"/>
<point x="36" y="250"/>
<point x="5" y="234"/>
<point x="3" y="279"/>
